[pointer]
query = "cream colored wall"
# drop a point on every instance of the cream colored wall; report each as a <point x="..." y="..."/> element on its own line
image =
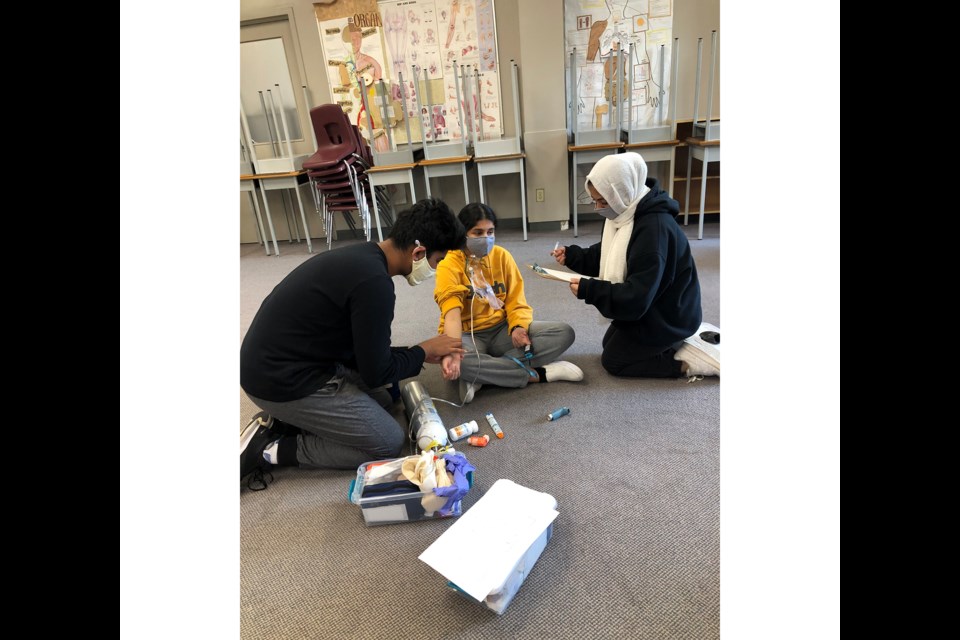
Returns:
<point x="544" y="108"/>
<point x="532" y="33"/>
<point x="694" y="19"/>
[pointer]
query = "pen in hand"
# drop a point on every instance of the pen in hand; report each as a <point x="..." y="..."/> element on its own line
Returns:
<point x="559" y="253"/>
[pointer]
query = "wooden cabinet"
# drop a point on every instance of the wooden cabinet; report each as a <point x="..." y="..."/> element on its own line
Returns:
<point x="680" y="177"/>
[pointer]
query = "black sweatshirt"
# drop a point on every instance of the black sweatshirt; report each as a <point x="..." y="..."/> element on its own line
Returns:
<point x="336" y="307"/>
<point x="659" y="300"/>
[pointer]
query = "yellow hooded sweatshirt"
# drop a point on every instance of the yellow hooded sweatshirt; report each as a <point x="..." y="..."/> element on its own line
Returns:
<point x="453" y="290"/>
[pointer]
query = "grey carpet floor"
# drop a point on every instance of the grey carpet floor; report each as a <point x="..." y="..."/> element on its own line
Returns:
<point x="634" y="468"/>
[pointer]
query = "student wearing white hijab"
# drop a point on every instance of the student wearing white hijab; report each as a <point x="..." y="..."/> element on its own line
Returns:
<point x="642" y="274"/>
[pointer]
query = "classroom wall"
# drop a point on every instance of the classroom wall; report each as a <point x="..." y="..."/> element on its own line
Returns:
<point x="694" y="19"/>
<point x="532" y="33"/>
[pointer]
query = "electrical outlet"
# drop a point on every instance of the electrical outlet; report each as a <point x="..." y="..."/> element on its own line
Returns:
<point x="540" y="195"/>
<point x="564" y="225"/>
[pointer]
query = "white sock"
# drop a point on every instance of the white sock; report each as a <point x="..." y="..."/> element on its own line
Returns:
<point x="562" y="370"/>
<point x="270" y="453"/>
<point x="467" y="390"/>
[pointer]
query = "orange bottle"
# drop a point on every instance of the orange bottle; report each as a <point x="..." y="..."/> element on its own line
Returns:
<point x="479" y="441"/>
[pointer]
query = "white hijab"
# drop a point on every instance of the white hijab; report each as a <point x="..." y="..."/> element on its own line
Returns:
<point x="620" y="179"/>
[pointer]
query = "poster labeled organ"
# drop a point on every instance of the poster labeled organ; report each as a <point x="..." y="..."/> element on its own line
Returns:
<point x="400" y="38"/>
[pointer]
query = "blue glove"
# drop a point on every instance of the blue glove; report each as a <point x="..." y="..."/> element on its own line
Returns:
<point x="456" y="464"/>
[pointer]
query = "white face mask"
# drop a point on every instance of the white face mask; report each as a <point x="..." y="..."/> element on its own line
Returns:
<point x="421" y="272"/>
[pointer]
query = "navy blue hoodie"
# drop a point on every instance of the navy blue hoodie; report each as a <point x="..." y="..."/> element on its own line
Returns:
<point x="659" y="300"/>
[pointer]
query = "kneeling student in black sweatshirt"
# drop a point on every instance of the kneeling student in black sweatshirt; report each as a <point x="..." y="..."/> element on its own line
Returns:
<point x="642" y="274"/>
<point x="318" y="356"/>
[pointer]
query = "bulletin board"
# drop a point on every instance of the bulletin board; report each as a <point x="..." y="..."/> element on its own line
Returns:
<point x="596" y="29"/>
<point x="365" y="41"/>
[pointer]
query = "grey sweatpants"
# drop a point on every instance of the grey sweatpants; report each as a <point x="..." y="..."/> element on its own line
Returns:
<point x="343" y="424"/>
<point x="549" y="340"/>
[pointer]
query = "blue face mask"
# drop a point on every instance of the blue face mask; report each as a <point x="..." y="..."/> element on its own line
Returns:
<point x="480" y="247"/>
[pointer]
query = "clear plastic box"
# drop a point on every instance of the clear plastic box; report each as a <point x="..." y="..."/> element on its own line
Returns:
<point x="400" y="507"/>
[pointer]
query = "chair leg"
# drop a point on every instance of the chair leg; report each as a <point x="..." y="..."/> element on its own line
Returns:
<point x="273" y="231"/>
<point x="351" y="224"/>
<point x="364" y="210"/>
<point x="386" y="206"/>
<point x="303" y="217"/>
<point x="673" y="159"/>
<point x="703" y="195"/>
<point x="376" y="213"/>
<point x="314" y="193"/>
<point x="573" y="198"/>
<point x="256" y="212"/>
<point x="286" y="216"/>
<point x="328" y="222"/>
<point x="523" y="198"/>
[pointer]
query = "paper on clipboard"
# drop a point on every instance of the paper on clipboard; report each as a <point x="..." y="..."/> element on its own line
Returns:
<point x="553" y="274"/>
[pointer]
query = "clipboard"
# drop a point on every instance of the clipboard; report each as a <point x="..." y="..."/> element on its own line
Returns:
<point x="553" y="274"/>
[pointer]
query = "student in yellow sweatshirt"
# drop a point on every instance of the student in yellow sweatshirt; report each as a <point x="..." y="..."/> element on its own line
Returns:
<point x="482" y="283"/>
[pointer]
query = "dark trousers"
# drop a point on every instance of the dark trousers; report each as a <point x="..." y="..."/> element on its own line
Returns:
<point x="623" y="355"/>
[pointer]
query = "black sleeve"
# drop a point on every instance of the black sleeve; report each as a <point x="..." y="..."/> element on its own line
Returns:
<point x="371" y="315"/>
<point x="630" y="299"/>
<point x="584" y="261"/>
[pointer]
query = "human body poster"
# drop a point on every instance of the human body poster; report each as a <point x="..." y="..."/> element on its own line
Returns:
<point x="599" y="30"/>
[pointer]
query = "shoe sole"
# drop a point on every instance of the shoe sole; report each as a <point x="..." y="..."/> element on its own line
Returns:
<point x="248" y="432"/>
<point x="709" y="353"/>
<point x="701" y="362"/>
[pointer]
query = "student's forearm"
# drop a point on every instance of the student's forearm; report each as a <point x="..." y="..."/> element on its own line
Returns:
<point x="452" y="324"/>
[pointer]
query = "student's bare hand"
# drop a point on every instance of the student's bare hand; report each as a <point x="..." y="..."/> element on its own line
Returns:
<point x="439" y="346"/>
<point x="450" y="367"/>
<point x="575" y="286"/>
<point x="520" y="338"/>
<point x="560" y="255"/>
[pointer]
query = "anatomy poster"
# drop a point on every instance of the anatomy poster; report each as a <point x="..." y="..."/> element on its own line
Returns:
<point x="603" y="31"/>
<point x="353" y="51"/>
<point x="412" y="36"/>
<point x="388" y="40"/>
<point x="435" y="35"/>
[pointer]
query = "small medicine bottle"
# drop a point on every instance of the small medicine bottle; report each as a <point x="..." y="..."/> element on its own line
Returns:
<point x="461" y="431"/>
<point x="479" y="441"/>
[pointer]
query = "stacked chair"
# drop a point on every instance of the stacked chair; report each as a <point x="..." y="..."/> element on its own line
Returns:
<point x="337" y="171"/>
